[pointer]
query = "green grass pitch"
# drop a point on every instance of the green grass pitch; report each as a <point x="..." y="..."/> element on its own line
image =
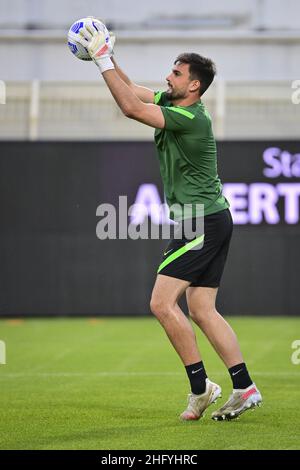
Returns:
<point x="118" y="384"/>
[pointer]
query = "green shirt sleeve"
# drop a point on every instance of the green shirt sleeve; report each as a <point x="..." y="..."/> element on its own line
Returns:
<point x="178" y="118"/>
<point x="158" y="97"/>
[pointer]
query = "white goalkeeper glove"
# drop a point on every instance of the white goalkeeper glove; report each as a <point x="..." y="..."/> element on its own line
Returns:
<point x="99" y="45"/>
<point x="100" y="25"/>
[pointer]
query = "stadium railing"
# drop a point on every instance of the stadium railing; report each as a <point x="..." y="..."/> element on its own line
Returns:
<point x="41" y="110"/>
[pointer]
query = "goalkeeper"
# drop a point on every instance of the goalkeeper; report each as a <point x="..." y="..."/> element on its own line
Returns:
<point x="188" y="165"/>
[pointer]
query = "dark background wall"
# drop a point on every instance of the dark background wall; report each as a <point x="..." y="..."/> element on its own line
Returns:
<point x="51" y="261"/>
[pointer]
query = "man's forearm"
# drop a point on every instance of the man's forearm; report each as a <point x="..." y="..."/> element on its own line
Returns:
<point x="122" y="93"/>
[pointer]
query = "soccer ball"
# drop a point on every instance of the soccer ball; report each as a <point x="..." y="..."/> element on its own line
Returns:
<point x="74" y="45"/>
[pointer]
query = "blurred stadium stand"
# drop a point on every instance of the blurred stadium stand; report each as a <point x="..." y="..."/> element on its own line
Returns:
<point x="52" y="95"/>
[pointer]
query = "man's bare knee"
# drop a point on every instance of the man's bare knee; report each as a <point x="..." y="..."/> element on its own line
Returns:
<point x="160" y="308"/>
<point x="202" y="315"/>
<point x="196" y="316"/>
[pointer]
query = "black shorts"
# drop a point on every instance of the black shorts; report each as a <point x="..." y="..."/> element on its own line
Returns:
<point x="201" y="261"/>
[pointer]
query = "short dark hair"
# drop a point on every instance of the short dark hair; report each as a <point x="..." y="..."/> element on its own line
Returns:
<point x="201" y="68"/>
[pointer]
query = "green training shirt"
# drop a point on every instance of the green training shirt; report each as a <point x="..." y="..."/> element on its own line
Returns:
<point x="188" y="159"/>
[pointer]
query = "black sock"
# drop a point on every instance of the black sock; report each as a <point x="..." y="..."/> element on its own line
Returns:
<point x="240" y="376"/>
<point x="197" y="375"/>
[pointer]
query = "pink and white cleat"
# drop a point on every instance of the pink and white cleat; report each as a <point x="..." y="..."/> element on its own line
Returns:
<point x="238" y="402"/>
<point x="197" y="404"/>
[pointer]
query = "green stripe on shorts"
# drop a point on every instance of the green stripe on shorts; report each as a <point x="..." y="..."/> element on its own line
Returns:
<point x="180" y="252"/>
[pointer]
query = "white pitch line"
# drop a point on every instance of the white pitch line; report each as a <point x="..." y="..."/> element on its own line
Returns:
<point x="85" y="374"/>
<point x="15" y="375"/>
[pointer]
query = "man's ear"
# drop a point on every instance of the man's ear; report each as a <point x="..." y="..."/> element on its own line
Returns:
<point x="195" y="86"/>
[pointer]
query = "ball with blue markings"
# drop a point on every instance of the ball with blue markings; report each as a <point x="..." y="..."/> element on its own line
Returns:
<point x="73" y="35"/>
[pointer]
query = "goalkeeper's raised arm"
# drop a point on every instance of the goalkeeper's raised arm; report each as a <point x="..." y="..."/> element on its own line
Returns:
<point x="143" y="93"/>
<point x="134" y="101"/>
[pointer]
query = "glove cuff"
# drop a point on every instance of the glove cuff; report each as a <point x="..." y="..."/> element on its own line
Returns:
<point x="104" y="64"/>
